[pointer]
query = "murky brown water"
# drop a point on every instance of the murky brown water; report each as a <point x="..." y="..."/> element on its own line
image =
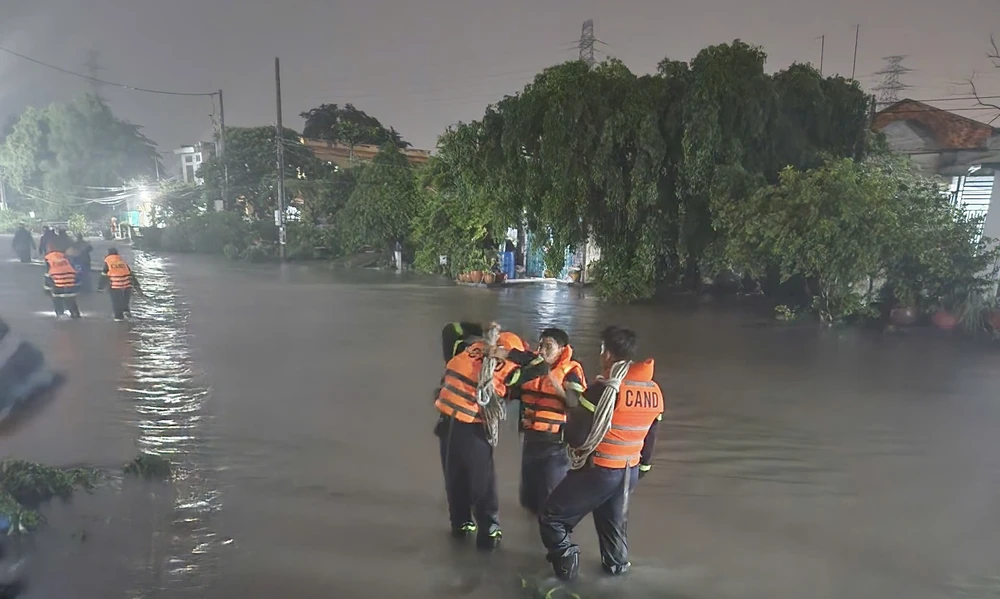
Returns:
<point x="794" y="462"/>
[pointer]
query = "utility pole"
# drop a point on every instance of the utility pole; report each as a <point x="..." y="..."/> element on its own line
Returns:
<point x="3" y="194"/>
<point x="888" y="90"/>
<point x="822" y="53"/>
<point x="278" y="136"/>
<point x="221" y="150"/>
<point x="587" y="40"/>
<point x="94" y="69"/>
<point x="857" y="36"/>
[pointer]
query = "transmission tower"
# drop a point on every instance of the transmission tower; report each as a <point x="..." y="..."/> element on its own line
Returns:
<point x="94" y="68"/>
<point x="587" y="40"/>
<point x="888" y="90"/>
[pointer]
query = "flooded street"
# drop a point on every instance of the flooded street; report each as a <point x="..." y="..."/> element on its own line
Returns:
<point x="296" y="403"/>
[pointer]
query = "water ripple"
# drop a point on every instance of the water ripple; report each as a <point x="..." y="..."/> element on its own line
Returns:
<point x="169" y="407"/>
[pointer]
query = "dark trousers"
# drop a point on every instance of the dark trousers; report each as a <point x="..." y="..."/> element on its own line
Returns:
<point x="590" y="489"/>
<point x="543" y="466"/>
<point x="62" y="303"/>
<point x="23" y="254"/>
<point x="469" y="475"/>
<point x="120" y="302"/>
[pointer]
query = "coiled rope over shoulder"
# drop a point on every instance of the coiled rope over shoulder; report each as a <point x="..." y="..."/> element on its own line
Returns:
<point x="603" y="412"/>
<point x="492" y="406"/>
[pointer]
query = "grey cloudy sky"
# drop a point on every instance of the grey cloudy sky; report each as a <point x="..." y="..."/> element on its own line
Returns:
<point x="420" y="65"/>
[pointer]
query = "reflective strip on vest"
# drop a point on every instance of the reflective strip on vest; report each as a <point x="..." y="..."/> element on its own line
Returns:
<point x="457" y="396"/>
<point x="61" y="272"/>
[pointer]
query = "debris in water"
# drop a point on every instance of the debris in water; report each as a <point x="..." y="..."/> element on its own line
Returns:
<point x="25" y="486"/>
<point x="149" y="467"/>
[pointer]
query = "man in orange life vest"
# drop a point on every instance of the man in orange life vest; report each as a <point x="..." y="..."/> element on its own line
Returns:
<point x="122" y="280"/>
<point x="602" y="485"/>
<point x="466" y="454"/>
<point x="544" y="401"/>
<point x="60" y="280"/>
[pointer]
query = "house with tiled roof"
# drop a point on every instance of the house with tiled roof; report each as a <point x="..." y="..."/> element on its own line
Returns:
<point x="964" y="151"/>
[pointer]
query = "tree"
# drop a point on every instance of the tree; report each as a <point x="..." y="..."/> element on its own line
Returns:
<point x="348" y="126"/>
<point x="251" y="161"/>
<point x="75" y="157"/>
<point x="385" y="202"/>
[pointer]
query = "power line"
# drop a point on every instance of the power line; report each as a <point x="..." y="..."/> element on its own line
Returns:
<point x="102" y="81"/>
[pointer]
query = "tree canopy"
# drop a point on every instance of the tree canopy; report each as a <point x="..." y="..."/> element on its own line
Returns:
<point x="76" y="157"/>
<point x="252" y="168"/>
<point x="349" y="126"/>
<point x="384" y="202"/>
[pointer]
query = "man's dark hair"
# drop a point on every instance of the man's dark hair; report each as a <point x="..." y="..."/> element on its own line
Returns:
<point x="112" y="251"/>
<point x="560" y="336"/>
<point x="619" y="342"/>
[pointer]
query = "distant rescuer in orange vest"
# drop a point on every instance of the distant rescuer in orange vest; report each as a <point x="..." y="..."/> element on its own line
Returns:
<point x="61" y="280"/>
<point x="122" y="280"/>
<point x="466" y="452"/>
<point x="603" y="484"/>
<point x="544" y="402"/>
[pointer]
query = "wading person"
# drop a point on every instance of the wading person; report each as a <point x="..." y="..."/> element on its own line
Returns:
<point x="60" y="281"/>
<point x="79" y="257"/>
<point x="121" y="280"/>
<point x="544" y="401"/>
<point x="608" y="464"/>
<point x="23" y="243"/>
<point x="466" y="449"/>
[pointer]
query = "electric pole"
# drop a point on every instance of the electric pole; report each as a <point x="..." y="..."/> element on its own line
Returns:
<point x="587" y="40"/>
<point x="888" y="90"/>
<point x="220" y="148"/>
<point x="94" y="68"/>
<point x="857" y="36"/>
<point x="279" y="139"/>
<point x="822" y="53"/>
<point x="3" y="194"/>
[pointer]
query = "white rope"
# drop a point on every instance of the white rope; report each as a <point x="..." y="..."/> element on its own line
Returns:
<point x="492" y="407"/>
<point x="603" y="412"/>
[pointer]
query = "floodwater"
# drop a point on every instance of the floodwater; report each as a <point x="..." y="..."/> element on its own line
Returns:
<point x="793" y="462"/>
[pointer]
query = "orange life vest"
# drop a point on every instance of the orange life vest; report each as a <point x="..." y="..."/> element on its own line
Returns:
<point x="544" y="408"/>
<point x="638" y="405"/>
<point x="457" y="396"/>
<point x="119" y="273"/>
<point x="61" y="272"/>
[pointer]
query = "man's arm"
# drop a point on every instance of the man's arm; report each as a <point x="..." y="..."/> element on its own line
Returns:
<point x="530" y="366"/>
<point x="646" y="458"/>
<point x="572" y="387"/>
<point x="580" y="420"/>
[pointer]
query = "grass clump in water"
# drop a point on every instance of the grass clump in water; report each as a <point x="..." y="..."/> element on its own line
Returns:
<point x="25" y="486"/>
<point x="149" y="467"/>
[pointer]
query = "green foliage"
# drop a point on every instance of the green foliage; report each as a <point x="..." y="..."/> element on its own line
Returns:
<point x="250" y="158"/>
<point x="177" y="201"/>
<point x="65" y="158"/>
<point x="77" y="224"/>
<point x="348" y="126"/>
<point x="209" y="233"/>
<point x="11" y="219"/>
<point x="384" y="203"/>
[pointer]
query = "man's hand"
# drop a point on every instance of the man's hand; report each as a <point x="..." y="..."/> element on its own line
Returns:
<point x="557" y="385"/>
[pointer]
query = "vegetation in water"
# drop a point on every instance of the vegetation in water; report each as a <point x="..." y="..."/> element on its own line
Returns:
<point x="25" y="487"/>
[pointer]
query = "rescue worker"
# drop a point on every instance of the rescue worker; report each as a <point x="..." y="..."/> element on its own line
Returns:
<point x="119" y="277"/>
<point x="544" y="401"/>
<point x="466" y="454"/>
<point x="456" y="335"/>
<point x="624" y="454"/>
<point x="44" y="240"/>
<point x="79" y="256"/>
<point x="23" y="243"/>
<point x="61" y="280"/>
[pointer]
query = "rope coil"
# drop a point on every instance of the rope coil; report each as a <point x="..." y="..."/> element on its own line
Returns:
<point x="603" y="412"/>
<point x="492" y="406"/>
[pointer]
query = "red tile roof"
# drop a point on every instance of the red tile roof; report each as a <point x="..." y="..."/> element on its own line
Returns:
<point x="950" y="131"/>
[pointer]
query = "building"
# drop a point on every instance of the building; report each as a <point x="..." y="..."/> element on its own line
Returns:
<point x="344" y="156"/>
<point x="963" y="150"/>
<point x="191" y="158"/>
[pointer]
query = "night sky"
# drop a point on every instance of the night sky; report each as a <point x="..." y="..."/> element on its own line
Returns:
<point x="420" y="65"/>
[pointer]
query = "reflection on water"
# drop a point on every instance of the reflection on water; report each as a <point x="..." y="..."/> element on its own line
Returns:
<point x="169" y="412"/>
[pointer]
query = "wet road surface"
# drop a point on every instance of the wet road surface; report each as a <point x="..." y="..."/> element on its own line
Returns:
<point x="793" y="462"/>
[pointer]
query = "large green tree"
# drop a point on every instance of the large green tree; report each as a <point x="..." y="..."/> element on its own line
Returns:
<point x="384" y="204"/>
<point x="75" y="158"/>
<point x="348" y="125"/>
<point x="251" y="158"/>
